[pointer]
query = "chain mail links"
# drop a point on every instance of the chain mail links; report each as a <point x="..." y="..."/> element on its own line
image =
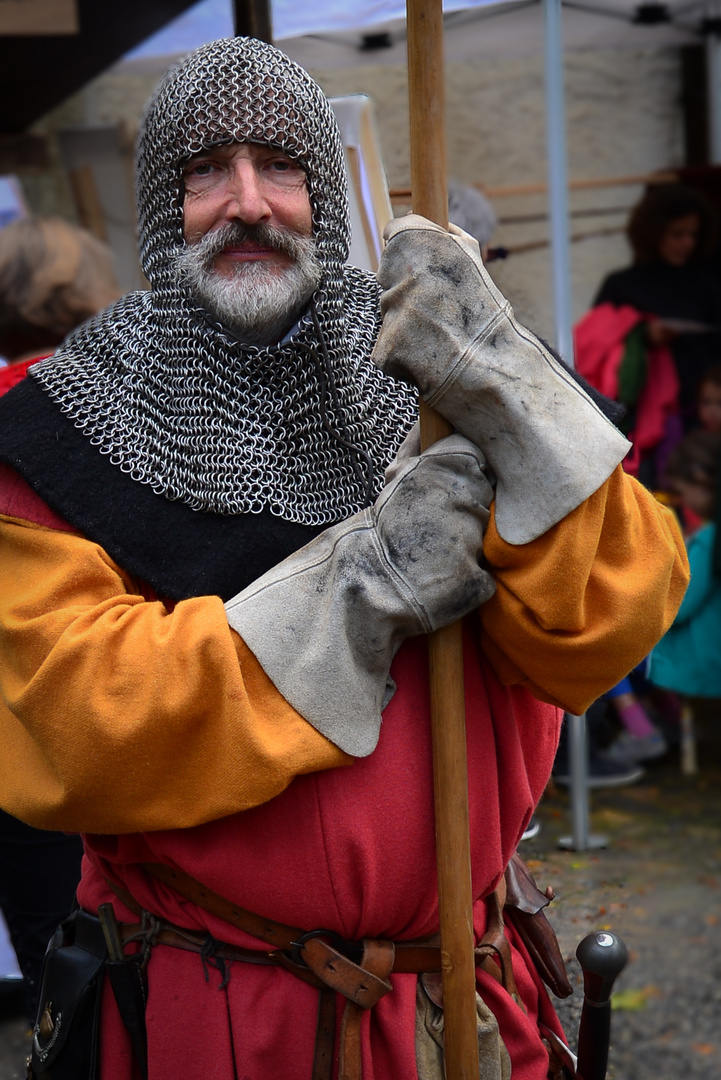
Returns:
<point x="224" y="429"/>
<point x="166" y="392"/>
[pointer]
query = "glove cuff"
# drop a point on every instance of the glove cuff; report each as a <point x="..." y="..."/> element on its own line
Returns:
<point x="313" y="624"/>
<point x="547" y="442"/>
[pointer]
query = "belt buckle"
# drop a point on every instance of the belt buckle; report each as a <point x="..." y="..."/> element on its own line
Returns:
<point x="337" y="942"/>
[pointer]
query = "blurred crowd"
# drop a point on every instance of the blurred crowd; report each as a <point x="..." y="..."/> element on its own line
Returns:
<point x="652" y="341"/>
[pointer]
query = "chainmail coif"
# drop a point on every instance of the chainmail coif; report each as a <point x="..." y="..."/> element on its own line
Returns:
<point x="171" y="396"/>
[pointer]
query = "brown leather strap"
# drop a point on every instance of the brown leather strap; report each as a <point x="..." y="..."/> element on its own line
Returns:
<point x="177" y="938"/>
<point x="364" y="983"/>
<point x="324" y="1036"/>
<point x="276" y="934"/>
<point x="349" y="1059"/>
<point x="377" y="961"/>
<point x="494" y="945"/>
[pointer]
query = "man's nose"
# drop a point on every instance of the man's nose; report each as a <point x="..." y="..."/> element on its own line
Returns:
<point x="247" y="197"/>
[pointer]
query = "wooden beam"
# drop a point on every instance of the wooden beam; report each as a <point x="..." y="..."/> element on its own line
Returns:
<point x="25" y="18"/>
<point x="510" y="190"/>
<point x="252" y="18"/>
<point x="87" y="201"/>
<point x="19" y="153"/>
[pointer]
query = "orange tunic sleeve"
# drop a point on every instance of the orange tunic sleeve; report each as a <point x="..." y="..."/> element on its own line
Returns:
<point x="578" y="608"/>
<point x="118" y="715"/>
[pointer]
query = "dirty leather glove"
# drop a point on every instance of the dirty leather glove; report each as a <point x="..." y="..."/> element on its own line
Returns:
<point x="325" y="623"/>
<point x="447" y="328"/>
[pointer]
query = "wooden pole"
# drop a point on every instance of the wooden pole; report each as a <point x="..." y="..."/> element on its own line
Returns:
<point x="252" y="18"/>
<point x="450" y="766"/>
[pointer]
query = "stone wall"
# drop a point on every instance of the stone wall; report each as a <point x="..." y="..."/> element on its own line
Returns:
<point x="623" y="118"/>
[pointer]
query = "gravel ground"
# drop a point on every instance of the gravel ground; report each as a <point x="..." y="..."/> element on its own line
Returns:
<point x="657" y="884"/>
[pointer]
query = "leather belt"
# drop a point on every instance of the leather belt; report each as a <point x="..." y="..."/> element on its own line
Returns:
<point x="357" y="970"/>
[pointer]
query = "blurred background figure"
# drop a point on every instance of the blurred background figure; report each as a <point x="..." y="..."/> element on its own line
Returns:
<point x="53" y="276"/>
<point x="655" y="327"/>
<point x="470" y="210"/>
<point x="708" y="400"/>
<point x="687" y="660"/>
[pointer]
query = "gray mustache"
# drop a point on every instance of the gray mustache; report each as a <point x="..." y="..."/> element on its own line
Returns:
<point x="281" y="240"/>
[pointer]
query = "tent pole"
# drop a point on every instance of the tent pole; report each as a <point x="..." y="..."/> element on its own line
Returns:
<point x="557" y="177"/>
<point x="450" y="766"/>
<point x="713" y="84"/>
<point x="580" y="839"/>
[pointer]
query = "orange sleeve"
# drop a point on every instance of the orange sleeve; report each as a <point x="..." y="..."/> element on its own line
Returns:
<point x="118" y="715"/>
<point x="578" y="608"/>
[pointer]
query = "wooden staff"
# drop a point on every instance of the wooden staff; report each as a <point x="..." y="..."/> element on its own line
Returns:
<point x="448" y="718"/>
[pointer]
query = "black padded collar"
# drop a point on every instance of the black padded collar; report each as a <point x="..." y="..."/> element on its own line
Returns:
<point x="178" y="551"/>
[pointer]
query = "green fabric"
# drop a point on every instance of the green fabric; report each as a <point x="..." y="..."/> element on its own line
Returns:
<point x="632" y="373"/>
<point x="688" y="658"/>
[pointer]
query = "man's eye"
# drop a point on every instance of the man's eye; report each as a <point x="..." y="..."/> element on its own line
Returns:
<point x="286" y="167"/>
<point x="200" y="168"/>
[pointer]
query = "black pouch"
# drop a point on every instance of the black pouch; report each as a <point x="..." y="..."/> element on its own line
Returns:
<point x="65" y="1036"/>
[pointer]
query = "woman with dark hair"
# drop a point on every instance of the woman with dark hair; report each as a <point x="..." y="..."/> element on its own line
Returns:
<point x="672" y="231"/>
<point x="655" y="328"/>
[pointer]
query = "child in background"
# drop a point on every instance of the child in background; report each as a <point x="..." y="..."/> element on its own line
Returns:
<point x="687" y="659"/>
<point x="708" y="402"/>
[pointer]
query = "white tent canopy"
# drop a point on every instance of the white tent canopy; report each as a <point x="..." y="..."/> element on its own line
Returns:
<point x="330" y="33"/>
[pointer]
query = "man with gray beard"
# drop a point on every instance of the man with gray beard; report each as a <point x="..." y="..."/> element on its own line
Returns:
<point x="221" y="549"/>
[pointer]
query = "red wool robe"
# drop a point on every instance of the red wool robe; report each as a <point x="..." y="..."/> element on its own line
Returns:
<point x="349" y="849"/>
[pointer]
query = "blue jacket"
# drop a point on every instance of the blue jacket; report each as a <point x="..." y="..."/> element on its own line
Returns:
<point x="688" y="658"/>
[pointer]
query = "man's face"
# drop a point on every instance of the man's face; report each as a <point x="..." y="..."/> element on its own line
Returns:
<point x="250" y="257"/>
<point x="246" y="184"/>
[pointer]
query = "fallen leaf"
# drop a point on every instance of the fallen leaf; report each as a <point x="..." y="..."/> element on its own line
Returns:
<point x="711" y="920"/>
<point x="629" y="1000"/>
<point x="703" y="1048"/>
<point x="634" y="1000"/>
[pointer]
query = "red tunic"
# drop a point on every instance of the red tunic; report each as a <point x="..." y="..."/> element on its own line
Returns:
<point x="348" y="849"/>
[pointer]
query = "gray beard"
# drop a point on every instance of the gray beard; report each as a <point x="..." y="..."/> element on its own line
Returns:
<point x="257" y="304"/>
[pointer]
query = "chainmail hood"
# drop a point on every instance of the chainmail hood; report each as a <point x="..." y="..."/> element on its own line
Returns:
<point x="168" y="393"/>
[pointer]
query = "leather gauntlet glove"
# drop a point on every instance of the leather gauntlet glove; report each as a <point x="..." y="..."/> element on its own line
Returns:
<point x="447" y="328"/>
<point x="325" y="623"/>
